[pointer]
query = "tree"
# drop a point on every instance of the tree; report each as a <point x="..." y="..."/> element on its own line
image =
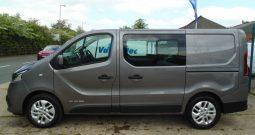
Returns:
<point x="64" y="35"/>
<point x="17" y="16"/>
<point x="125" y="27"/>
<point x="63" y="29"/>
<point x="33" y="20"/>
<point x="79" y="30"/>
<point x="20" y="36"/>
<point x="140" y="24"/>
<point x="61" y="24"/>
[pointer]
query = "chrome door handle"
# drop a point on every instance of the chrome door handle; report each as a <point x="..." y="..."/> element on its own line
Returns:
<point x="135" y="77"/>
<point x="104" y="77"/>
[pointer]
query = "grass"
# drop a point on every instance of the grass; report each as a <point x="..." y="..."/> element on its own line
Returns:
<point x="252" y="92"/>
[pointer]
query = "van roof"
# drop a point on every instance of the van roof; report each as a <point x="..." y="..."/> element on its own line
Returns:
<point x="187" y="30"/>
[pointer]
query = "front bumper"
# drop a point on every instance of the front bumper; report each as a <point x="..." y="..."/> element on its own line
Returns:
<point x="15" y="97"/>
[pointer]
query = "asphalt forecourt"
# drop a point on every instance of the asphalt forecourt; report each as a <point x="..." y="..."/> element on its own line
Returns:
<point x="9" y="64"/>
<point x="230" y="124"/>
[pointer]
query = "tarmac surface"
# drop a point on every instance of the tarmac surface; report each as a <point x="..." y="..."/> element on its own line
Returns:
<point x="9" y="64"/>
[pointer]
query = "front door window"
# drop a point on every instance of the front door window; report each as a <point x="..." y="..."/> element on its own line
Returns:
<point x="87" y="50"/>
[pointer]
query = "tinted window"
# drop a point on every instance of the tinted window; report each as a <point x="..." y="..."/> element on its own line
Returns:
<point x="155" y="50"/>
<point x="103" y="48"/>
<point x="210" y="49"/>
<point x="88" y="50"/>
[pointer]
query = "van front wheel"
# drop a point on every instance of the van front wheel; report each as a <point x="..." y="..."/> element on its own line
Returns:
<point x="203" y="112"/>
<point x="44" y="110"/>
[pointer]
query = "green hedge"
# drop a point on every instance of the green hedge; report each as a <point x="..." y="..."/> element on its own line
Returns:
<point x="19" y="37"/>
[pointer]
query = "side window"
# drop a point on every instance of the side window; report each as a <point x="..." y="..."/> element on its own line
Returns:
<point x="88" y="50"/>
<point x="74" y="46"/>
<point x="136" y="47"/>
<point x="168" y="48"/>
<point x="209" y="48"/>
<point x="103" y="49"/>
<point x="91" y="43"/>
<point x="155" y="50"/>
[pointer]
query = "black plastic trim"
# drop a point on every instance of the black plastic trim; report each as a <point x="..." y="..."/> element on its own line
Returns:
<point x="211" y="71"/>
<point x="8" y="103"/>
<point x="91" y="109"/>
<point x="151" y="109"/>
<point x="235" y="107"/>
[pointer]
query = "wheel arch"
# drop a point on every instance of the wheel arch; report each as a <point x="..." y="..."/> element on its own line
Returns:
<point x="30" y="95"/>
<point x="206" y="93"/>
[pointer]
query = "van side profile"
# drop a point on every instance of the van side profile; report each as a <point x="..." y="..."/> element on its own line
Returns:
<point x="197" y="73"/>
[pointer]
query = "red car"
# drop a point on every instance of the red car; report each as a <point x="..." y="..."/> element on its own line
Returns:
<point x="48" y="50"/>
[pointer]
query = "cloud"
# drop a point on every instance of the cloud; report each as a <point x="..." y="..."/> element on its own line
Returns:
<point x="106" y="23"/>
<point x="147" y="7"/>
<point x="104" y="14"/>
<point x="46" y="11"/>
<point x="169" y="23"/>
<point x="228" y="16"/>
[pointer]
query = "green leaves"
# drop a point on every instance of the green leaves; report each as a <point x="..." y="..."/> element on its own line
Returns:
<point x="139" y="24"/>
<point x="63" y="28"/>
<point x="19" y="36"/>
<point x="14" y="26"/>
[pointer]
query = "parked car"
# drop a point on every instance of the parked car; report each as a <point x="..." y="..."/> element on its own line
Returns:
<point x="48" y="50"/>
<point x="197" y="73"/>
<point x="249" y="57"/>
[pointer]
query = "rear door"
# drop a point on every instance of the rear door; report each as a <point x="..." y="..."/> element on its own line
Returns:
<point x="152" y="71"/>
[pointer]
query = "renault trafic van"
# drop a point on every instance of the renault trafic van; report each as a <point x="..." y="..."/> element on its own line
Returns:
<point x="198" y="73"/>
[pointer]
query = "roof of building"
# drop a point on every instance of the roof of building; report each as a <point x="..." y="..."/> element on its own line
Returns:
<point x="246" y="27"/>
<point x="203" y="23"/>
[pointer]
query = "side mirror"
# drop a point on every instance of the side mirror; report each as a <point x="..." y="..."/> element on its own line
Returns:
<point x="60" y="60"/>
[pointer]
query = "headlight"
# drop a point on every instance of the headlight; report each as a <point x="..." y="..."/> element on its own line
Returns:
<point x="18" y="75"/>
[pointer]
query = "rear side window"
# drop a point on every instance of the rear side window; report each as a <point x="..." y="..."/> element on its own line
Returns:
<point x="155" y="50"/>
<point x="210" y="49"/>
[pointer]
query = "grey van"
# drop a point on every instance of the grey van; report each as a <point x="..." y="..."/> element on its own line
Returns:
<point x="198" y="73"/>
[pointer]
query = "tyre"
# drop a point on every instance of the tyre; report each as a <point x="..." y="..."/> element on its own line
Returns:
<point x="203" y="112"/>
<point x="44" y="110"/>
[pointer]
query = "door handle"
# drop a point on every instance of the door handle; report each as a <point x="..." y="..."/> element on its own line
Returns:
<point x="135" y="77"/>
<point x="104" y="77"/>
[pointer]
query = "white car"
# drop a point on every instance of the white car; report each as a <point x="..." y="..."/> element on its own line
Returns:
<point x="249" y="57"/>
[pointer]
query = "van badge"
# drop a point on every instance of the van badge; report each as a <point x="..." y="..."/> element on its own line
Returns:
<point x="76" y="101"/>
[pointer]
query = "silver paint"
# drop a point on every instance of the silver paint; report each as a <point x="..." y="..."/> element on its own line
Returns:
<point x="174" y="85"/>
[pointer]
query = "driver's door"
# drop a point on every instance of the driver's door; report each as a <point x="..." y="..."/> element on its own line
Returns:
<point x="84" y="80"/>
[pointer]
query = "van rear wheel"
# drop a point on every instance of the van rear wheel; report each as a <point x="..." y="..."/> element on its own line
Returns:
<point x="44" y="110"/>
<point x="203" y="112"/>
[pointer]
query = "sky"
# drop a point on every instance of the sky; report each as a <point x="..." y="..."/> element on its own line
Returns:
<point x="110" y="14"/>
